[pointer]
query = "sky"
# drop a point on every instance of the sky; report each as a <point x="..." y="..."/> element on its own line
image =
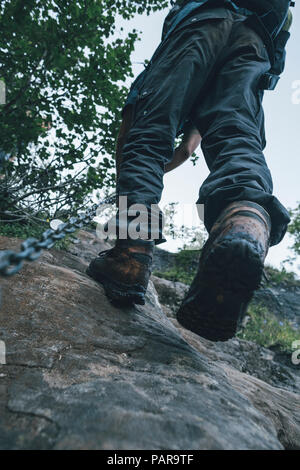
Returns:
<point x="282" y="121"/>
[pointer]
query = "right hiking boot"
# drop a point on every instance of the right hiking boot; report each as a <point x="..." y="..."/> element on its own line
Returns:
<point x="230" y="270"/>
<point x="124" y="271"/>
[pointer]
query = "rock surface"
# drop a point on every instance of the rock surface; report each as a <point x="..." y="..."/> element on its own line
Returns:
<point x="83" y="374"/>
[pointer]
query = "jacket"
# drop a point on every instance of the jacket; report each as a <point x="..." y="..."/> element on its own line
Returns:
<point x="185" y="8"/>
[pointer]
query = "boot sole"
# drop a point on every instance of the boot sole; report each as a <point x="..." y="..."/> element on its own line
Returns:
<point x="120" y="294"/>
<point x="231" y="274"/>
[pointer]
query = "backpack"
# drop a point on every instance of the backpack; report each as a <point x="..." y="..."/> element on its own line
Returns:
<point x="273" y="13"/>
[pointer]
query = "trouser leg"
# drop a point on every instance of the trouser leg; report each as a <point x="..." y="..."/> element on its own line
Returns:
<point x="166" y="99"/>
<point x="231" y="122"/>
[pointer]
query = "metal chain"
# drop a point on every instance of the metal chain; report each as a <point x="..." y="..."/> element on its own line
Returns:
<point x="12" y="262"/>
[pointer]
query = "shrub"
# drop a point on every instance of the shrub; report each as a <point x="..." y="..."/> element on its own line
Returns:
<point x="266" y="329"/>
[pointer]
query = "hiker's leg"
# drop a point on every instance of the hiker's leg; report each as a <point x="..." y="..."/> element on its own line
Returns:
<point x="241" y="214"/>
<point x="122" y="136"/>
<point x="166" y="98"/>
<point x="231" y="122"/>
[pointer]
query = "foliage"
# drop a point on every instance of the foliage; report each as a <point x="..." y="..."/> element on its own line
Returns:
<point x="265" y="329"/>
<point x="281" y="276"/>
<point x="27" y="229"/>
<point x="192" y="238"/>
<point x="64" y="65"/>
<point x="185" y="268"/>
<point x="294" y="229"/>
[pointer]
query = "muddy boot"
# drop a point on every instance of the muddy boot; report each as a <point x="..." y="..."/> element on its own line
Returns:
<point x="230" y="270"/>
<point x="124" y="271"/>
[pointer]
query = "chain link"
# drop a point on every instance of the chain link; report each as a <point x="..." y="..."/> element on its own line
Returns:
<point x="12" y="262"/>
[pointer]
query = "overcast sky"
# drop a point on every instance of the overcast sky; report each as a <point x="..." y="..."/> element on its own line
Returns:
<point x="282" y="113"/>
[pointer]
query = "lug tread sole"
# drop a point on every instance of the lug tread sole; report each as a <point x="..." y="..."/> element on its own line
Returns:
<point x="232" y="273"/>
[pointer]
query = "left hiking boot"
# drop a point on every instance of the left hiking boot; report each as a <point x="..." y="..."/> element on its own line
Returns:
<point x="230" y="270"/>
<point x="124" y="271"/>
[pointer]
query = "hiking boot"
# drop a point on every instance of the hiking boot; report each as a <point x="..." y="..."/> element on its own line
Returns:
<point x="124" y="271"/>
<point x="230" y="270"/>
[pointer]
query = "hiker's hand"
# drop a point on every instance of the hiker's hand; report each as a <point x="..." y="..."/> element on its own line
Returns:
<point x="189" y="144"/>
